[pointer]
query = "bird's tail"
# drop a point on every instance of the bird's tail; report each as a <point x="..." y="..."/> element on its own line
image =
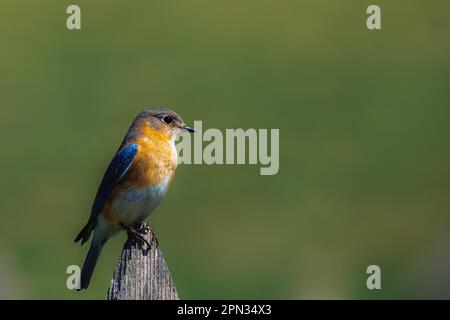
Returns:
<point x="85" y="233"/>
<point x="90" y="262"/>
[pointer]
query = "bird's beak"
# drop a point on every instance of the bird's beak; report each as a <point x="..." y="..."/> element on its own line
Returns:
<point x="190" y="129"/>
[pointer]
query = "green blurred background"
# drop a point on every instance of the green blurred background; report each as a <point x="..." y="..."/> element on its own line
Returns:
<point x="364" y="143"/>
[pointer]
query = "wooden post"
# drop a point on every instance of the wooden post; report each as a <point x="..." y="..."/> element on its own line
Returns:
<point x="141" y="273"/>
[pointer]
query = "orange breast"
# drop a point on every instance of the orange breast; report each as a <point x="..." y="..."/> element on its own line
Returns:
<point x="156" y="159"/>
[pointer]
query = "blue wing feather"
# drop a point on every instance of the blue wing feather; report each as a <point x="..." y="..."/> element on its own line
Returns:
<point x="115" y="172"/>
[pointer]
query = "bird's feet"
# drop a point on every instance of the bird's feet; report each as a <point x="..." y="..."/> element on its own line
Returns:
<point x="155" y="238"/>
<point x="144" y="228"/>
<point x="136" y="235"/>
<point x="139" y="231"/>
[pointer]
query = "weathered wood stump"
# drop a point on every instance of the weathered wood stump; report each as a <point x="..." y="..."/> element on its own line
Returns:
<point x="141" y="272"/>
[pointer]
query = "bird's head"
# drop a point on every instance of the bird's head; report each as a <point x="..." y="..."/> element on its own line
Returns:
<point x="163" y="122"/>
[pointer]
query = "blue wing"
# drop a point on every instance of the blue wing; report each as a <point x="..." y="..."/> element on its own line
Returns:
<point x="116" y="170"/>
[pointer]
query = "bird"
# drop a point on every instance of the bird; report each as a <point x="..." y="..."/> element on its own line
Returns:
<point x="134" y="183"/>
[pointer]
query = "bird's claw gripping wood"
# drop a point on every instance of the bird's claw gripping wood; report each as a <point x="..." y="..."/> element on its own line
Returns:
<point x="137" y="232"/>
<point x="140" y="274"/>
<point x="155" y="239"/>
<point x="144" y="228"/>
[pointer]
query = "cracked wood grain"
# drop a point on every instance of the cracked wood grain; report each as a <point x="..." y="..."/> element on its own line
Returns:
<point x="141" y="273"/>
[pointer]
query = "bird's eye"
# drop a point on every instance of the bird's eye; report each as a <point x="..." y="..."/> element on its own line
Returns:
<point x="167" y="119"/>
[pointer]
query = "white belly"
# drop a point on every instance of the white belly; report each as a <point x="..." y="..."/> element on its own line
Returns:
<point x="135" y="205"/>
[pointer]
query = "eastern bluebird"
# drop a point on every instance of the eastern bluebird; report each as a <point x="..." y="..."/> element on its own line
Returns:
<point x="135" y="181"/>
